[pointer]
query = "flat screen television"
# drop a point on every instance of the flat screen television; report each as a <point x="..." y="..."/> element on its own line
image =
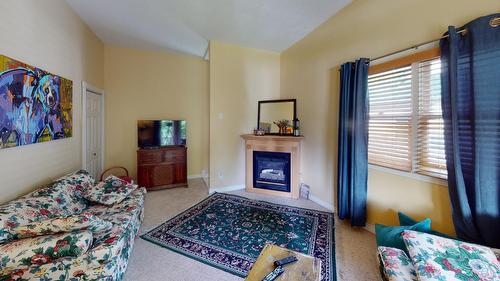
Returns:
<point x="158" y="133"/>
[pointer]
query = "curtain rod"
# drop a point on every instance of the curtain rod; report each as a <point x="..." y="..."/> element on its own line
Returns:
<point x="414" y="47"/>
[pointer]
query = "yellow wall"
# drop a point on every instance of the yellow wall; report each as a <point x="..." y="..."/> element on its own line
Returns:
<point x="239" y="78"/>
<point x="309" y="72"/>
<point x="389" y="193"/>
<point x="154" y="85"/>
<point x="49" y="35"/>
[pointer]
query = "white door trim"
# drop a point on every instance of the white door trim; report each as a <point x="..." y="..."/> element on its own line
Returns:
<point x="88" y="87"/>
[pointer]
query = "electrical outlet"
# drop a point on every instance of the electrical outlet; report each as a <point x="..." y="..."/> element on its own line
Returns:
<point x="220" y="174"/>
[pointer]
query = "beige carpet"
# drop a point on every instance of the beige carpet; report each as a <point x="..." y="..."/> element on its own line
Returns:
<point x="355" y="248"/>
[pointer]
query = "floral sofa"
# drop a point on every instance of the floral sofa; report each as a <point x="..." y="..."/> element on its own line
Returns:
<point x="430" y="257"/>
<point x="99" y="253"/>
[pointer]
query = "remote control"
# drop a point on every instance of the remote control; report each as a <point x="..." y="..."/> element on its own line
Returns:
<point x="274" y="274"/>
<point x="285" y="261"/>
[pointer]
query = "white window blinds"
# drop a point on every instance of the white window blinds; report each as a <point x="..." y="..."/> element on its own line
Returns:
<point x="430" y="154"/>
<point x="390" y="106"/>
<point x="405" y="123"/>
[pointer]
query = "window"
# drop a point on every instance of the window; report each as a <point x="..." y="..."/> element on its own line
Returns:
<point x="405" y="123"/>
<point x="389" y="127"/>
<point x="430" y="131"/>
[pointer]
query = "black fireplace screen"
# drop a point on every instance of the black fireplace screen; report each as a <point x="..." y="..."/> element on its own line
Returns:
<point x="271" y="170"/>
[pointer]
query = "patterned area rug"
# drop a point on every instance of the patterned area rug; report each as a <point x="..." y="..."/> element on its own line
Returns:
<point x="229" y="231"/>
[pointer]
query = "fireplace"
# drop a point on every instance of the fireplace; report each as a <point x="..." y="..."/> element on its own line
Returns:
<point x="272" y="165"/>
<point x="271" y="170"/>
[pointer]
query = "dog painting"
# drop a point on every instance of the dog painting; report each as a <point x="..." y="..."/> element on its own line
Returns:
<point x="35" y="105"/>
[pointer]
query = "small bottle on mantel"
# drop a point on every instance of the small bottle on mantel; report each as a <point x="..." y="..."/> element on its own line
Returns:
<point x="296" y="127"/>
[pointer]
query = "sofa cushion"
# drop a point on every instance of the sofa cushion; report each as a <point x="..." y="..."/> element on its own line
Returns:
<point x="27" y="210"/>
<point x="122" y="215"/>
<point x="396" y="265"/>
<point x="58" y="225"/>
<point x="441" y="259"/>
<point x="80" y="177"/>
<point x="67" y="191"/>
<point x="110" y="191"/>
<point x="125" y="217"/>
<point x="44" y="249"/>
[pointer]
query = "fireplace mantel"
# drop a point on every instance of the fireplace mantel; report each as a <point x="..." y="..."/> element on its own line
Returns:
<point x="273" y="143"/>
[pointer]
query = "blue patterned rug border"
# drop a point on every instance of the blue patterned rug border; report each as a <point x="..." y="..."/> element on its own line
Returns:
<point x="205" y="261"/>
<point x="333" y="263"/>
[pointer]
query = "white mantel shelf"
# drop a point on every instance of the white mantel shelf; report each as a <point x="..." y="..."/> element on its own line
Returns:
<point x="273" y="143"/>
<point x="272" y="138"/>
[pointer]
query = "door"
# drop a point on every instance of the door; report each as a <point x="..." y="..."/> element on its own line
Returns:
<point x="93" y="133"/>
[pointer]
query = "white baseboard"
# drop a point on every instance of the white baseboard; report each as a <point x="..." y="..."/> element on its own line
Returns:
<point x="206" y="180"/>
<point x="226" y="188"/>
<point x="190" y="177"/>
<point x="321" y="202"/>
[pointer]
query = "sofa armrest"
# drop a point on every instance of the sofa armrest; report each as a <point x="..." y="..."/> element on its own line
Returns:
<point x="43" y="249"/>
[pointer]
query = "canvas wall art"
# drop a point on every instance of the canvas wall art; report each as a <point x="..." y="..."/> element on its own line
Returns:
<point x="35" y="105"/>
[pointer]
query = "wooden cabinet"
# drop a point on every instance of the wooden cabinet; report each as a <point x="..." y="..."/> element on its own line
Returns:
<point x="162" y="167"/>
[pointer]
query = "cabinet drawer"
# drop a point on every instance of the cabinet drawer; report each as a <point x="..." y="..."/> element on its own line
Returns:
<point x="173" y="153"/>
<point x="149" y="157"/>
<point x="173" y="156"/>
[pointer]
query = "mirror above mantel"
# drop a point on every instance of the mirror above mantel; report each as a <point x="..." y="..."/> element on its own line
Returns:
<point x="272" y="112"/>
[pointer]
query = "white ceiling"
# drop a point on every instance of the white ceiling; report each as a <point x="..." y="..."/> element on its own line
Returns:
<point x="188" y="25"/>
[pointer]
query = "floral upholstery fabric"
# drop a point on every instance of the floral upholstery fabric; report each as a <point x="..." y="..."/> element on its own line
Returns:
<point x="67" y="191"/>
<point x="107" y="258"/>
<point x="44" y="249"/>
<point x="122" y="215"/>
<point x="73" y="269"/>
<point x="110" y="191"/>
<point x="58" y="225"/>
<point x="441" y="259"/>
<point x="26" y="210"/>
<point x="396" y="265"/>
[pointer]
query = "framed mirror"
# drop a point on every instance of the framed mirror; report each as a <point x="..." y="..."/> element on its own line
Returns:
<point x="272" y="111"/>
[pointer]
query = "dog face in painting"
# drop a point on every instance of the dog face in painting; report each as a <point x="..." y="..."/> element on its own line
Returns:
<point x="29" y="106"/>
<point x="47" y="93"/>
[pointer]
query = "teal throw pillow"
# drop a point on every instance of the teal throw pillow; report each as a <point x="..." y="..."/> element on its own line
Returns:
<point x="405" y="220"/>
<point x="390" y="236"/>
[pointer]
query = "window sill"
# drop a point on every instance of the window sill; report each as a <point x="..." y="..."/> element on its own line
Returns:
<point x="414" y="176"/>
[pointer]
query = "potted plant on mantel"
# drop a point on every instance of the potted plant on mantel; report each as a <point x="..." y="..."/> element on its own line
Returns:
<point x="282" y="125"/>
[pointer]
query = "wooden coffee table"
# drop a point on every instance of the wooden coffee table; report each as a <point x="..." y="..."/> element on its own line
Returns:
<point x="306" y="268"/>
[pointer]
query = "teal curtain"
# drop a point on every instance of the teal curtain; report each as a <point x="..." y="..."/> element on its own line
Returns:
<point x="353" y="142"/>
<point x="471" y="111"/>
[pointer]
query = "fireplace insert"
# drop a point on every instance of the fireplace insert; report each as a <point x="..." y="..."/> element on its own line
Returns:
<point x="271" y="170"/>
